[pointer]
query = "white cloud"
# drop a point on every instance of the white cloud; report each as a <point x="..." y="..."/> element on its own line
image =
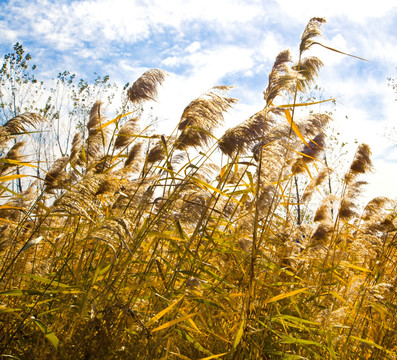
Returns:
<point x="272" y="44"/>
<point x="355" y="10"/>
<point x="7" y="34"/>
<point x="120" y="20"/>
<point x="223" y="12"/>
<point x="383" y="181"/>
<point x="210" y="65"/>
<point x="193" y="47"/>
<point x="204" y="42"/>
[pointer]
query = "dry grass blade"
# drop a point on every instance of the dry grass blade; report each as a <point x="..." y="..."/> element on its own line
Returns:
<point x="286" y="295"/>
<point x="339" y="52"/>
<point x="163" y="312"/>
<point x="145" y="88"/>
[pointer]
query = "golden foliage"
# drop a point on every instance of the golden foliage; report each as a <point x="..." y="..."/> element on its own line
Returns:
<point x="127" y="249"/>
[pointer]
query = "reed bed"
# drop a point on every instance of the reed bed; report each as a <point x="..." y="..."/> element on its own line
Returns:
<point x="144" y="247"/>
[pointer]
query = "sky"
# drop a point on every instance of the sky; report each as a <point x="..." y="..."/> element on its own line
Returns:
<point x="225" y="42"/>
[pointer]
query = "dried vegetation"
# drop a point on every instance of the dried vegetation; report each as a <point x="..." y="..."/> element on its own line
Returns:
<point x="142" y="248"/>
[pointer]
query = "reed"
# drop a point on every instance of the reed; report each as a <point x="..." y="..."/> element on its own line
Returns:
<point x="142" y="246"/>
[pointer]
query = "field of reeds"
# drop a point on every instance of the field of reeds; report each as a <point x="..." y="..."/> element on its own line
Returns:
<point x="188" y="246"/>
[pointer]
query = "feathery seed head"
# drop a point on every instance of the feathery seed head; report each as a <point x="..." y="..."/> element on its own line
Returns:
<point x="202" y="115"/>
<point x="19" y="124"/>
<point x="314" y="124"/>
<point x="324" y="212"/>
<point x="95" y="117"/>
<point x="14" y="153"/>
<point x="281" y="77"/>
<point x="156" y="153"/>
<point x="76" y="148"/>
<point x="95" y="144"/>
<point x="239" y="138"/>
<point x="103" y="164"/>
<point x="318" y="180"/>
<point x="374" y="207"/>
<point x="126" y="134"/>
<point x="56" y="175"/>
<point x="145" y="88"/>
<point x="321" y="234"/>
<point x="383" y="223"/>
<point x="312" y="30"/>
<point x="194" y="205"/>
<point x="309" y="153"/>
<point x="308" y="68"/>
<point x="347" y="207"/>
<point x="109" y="184"/>
<point x="133" y="155"/>
<point x="361" y="163"/>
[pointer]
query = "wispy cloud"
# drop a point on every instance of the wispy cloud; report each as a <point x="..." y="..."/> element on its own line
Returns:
<point x="353" y="10"/>
<point x="205" y="43"/>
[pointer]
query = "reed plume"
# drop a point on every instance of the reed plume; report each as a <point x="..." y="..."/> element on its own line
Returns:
<point x="14" y="210"/>
<point x="309" y="153"/>
<point x="20" y="123"/>
<point x="95" y="119"/>
<point x="56" y="176"/>
<point x="109" y="183"/>
<point x="308" y="68"/>
<point x="312" y="30"/>
<point x="281" y="78"/>
<point x="374" y="207"/>
<point x="98" y="137"/>
<point x="314" y="183"/>
<point x="156" y="152"/>
<point x="194" y="204"/>
<point x="202" y="116"/>
<point x="348" y="205"/>
<point x="324" y="211"/>
<point x="95" y="146"/>
<point x="127" y="134"/>
<point x="240" y="138"/>
<point x="75" y="153"/>
<point x="314" y="124"/>
<point x="14" y="153"/>
<point x="361" y="164"/>
<point x="145" y="88"/>
<point x="133" y="154"/>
